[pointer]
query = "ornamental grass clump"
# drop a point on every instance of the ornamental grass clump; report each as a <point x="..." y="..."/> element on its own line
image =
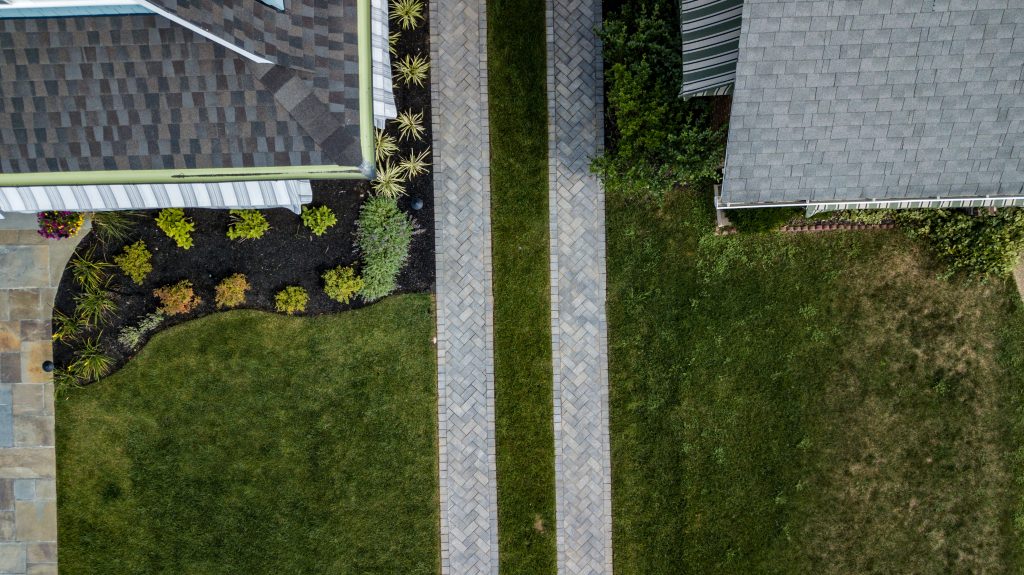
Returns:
<point x="57" y="225"/>
<point x="408" y="13"/>
<point x="416" y="164"/>
<point x="131" y="336"/>
<point x="389" y="181"/>
<point x="341" y="283"/>
<point x="90" y="362"/>
<point x="410" y="126"/>
<point x="318" y="219"/>
<point x="247" y="225"/>
<point x="66" y="328"/>
<point x="172" y="221"/>
<point x="292" y="299"/>
<point x="113" y="226"/>
<point x="385" y="146"/>
<point x="135" y="261"/>
<point x="231" y="291"/>
<point x="88" y="272"/>
<point x="413" y="70"/>
<point x="93" y="306"/>
<point x="383" y="236"/>
<point x="177" y="298"/>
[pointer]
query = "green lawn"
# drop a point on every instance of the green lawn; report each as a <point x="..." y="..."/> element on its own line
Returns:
<point x="250" y="443"/>
<point x="522" y="312"/>
<point x="810" y="403"/>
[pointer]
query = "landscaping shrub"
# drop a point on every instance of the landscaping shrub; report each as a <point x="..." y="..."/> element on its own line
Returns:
<point x="389" y="181"/>
<point x="291" y="299"/>
<point x="341" y="283"/>
<point x="135" y="261"/>
<point x="66" y="328"/>
<point x="231" y="291"/>
<point x="90" y="362"/>
<point x="177" y="298"/>
<point x="247" y="225"/>
<point x="416" y="164"/>
<point x="113" y="226"/>
<point x="172" y="221"/>
<point x="318" y="219"/>
<point x="88" y="272"/>
<point x="412" y="70"/>
<point x="410" y="126"/>
<point x="762" y="219"/>
<point x="383" y="235"/>
<point x="408" y="13"/>
<point x="57" y="225"/>
<point x="131" y="336"/>
<point x="93" y="306"/>
<point x="975" y="245"/>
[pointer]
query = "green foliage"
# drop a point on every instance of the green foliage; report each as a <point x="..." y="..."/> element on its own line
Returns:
<point x="408" y="13"/>
<point x="63" y="382"/>
<point x="231" y="291"/>
<point x="318" y="219"/>
<point x="131" y="336"/>
<point x="385" y="146"/>
<point x="247" y="225"/>
<point x="341" y="283"/>
<point x="383" y="235"/>
<point x="873" y="217"/>
<point x="89" y="273"/>
<point x="410" y="126"/>
<point x="172" y="221"/>
<point x="292" y="299"/>
<point x="412" y="70"/>
<point x="114" y="226"/>
<point x="974" y="245"/>
<point x="177" y="298"/>
<point x="416" y="164"/>
<point x="93" y="306"/>
<point x="762" y="219"/>
<point x="90" y="362"/>
<point x="659" y="138"/>
<point x="66" y="328"/>
<point x="393" y="43"/>
<point x="389" y="181"/>
<point x="135" y="261"/>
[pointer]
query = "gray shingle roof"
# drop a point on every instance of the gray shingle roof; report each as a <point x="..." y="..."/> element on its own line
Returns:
<point x="848" y="100"/>
<point x="141" y="92"/>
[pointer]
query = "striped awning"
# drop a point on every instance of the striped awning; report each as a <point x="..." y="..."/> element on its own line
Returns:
<point x="711" y="37"/>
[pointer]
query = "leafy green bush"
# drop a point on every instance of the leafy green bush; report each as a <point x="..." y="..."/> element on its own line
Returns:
<point x="131" y="336"/>
<point x="135" y="261"/>
<point x="318" y="219"/>
<point x="975" y="245"/>
<point x="177" y="298"/>
<point x="231" y="291"/>
<point x="172" y="221"/>
<point x="762" y="219"/>
<point x="383" y="236"/>
<point x="247" y="225"/>
<point x="291" y="299"/>
<point x="341" y="283"/>
<point x="873" y="217"/>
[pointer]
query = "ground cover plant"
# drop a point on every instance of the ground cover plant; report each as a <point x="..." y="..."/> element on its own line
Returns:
<point x="806" y="403"/>
<point x="522" y="334"/>
<point x="221" y="451"/>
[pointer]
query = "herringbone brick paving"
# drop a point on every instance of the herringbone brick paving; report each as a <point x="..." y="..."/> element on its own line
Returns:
<point x="579" y="340"/>
<point x="464" y="336"/>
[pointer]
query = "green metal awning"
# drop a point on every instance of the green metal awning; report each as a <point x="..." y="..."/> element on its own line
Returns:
<point x="711" y="37"/>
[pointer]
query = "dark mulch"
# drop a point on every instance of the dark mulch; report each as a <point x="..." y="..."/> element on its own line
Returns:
<point x="288" y="255"/>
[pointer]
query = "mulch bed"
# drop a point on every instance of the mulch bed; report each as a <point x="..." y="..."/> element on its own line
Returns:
<point x="287" y="255"/>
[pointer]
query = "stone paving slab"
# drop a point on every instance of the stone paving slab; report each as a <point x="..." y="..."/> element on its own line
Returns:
<point x="578" y="329"/>
<point x="468" y="491"/>
<point x="30" y="271"/>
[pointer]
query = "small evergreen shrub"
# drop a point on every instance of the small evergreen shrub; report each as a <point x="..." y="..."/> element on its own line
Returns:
<point x="172" y="221"/>
<point x="318" y="219"/>
<point x="57" y="225"/>
<point x="131" y="336"/>
<point x="247" y="225"/>
<point x="135" y="261"/>
<point x="231" y="291"/>
<point x="762" y="219"/>
<point x="341" y="283"/>
<point x="177" y="298"/>
<point x="291" y="300"/>
<point x="383" y="236"/>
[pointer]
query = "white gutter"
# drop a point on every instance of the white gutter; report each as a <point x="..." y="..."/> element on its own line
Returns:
<point x="806" y="204"/>
<point x="42" y="4"/>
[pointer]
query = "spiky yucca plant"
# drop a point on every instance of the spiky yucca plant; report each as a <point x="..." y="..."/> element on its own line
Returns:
<point x="389" y="182"/>
<point x="410" y="126"/>
<point x="416" y="164"/>
<point x="408" y="13"/>
<point x="90" y="362"/>
<point x="413" y="70"/>
<point x="393" y="44"/>
<point x="385" y="147"/>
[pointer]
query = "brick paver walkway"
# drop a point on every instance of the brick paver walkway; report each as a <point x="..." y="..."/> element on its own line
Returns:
<point x="469" y="531"/>
<point x="582" y="462"/>
<point x="30" y="271"/>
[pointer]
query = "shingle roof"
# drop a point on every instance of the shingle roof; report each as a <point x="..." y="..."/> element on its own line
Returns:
<point x="141" y="92"/>
<point x="847" y="100"/>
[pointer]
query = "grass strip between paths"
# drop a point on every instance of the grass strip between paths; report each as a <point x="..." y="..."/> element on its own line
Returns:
<point x="517" y="60"/>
